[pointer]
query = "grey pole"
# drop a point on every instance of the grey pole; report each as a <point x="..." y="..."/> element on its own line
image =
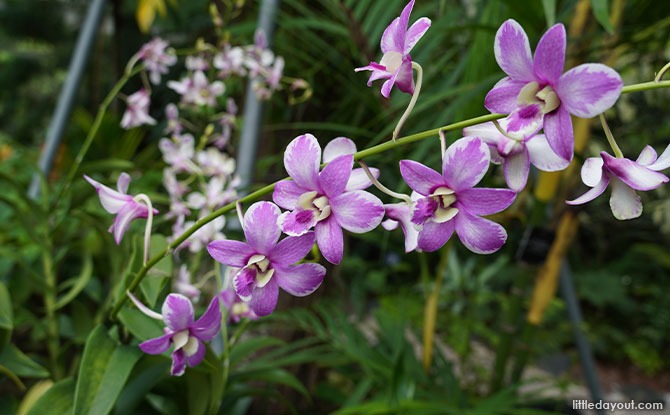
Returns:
<point x="68" y="92"/>
<point x="253" y="108"/>
<point x="583" y="346"/>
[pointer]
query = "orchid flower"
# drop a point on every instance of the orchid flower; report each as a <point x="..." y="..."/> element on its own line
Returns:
<point x="328" y="200"/>
<point x="137" y="112"/>
<point x="401" y="214"/>
<point x="186" y="335"/>
<point x="516" y="155"/>
<point x="451" y="203"/>
<point x="237" y="308"/>
<point x="156" y="59"/>
<point x="184" y="286"/>
<point x="197" y="90"/>
<point x="126" y="207"/>
<point x="626" y="176"/>
<point x="265" y="263"/>
<point x="537" y="94"/>
<point x="396" y="64"/>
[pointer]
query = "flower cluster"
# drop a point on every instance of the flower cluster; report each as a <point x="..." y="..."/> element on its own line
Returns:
<point x="316" y="205"/>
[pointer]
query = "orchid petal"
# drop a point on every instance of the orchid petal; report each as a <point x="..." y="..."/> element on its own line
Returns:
<point x="131" y="211"/>
<point x="594" y="192"/>
<point x="359" y="180"/>
<point x="558" y="130"/>
<point x="111" y="200"/>
<point x="302" y="279"/>
<point x="298" y="222"/>
<point x="434" y="235"/>
<point x="390" y="41"/>
<point x="624" y="201"/>
<point x="479" y="235"/>
<point x="592" y="171"/>
<point x="336" y="147"/>
<point x="420" y="178"/>
<point x="230" y="252"/>
<point x="415" y="33"/>
<point x="260" y="226"/>
<point x="512" y="51"/>
<point x="178" y="363"/>
<point x="357" y="211"/>
<point x="244" y="283"/>
<point x="589" y="89"/>
<point x="484" y="201"/>
<point x="550" y="55"/>
<point x="402" y="213"/>
<point x="287" y="193"/>
<point x="292" y="249"/>
<point x="465" y="163"/>
<point x="647" y="156"/>
<point x="177" y="312"/>
<point x="196" y="358"/>
<point x="542" y="156"/>
<point x="330" y="240"/>
<point x="502" y="98"/>
<point x="302" y="159"/>
<point x="334" y="177"/>
<point x="209" y="324"/>
<point x="404" y="78"/>
<point x="123" y="182"/>
<point x="636" y="176"/>
<point x="264" y="300"/>
<point x="663" y="161"/>
<point x="525" y="121"/>
<point x="516" y="169"/>
<point x="158" y="345"/>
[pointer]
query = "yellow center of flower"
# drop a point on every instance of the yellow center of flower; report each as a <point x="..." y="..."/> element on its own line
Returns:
<point x="444" y="197"/>
<point x="532" y="94"/>
<point x="318" y="204"/>
<point x="263" y="271"/>
<point x="392" y="61"/>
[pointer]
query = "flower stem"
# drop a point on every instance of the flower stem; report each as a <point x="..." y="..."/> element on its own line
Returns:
<point x="412" y="102"/>
<point x="662" y="72"/>
<point x="380" y="186"/>
<point x="610" y="137"/>
<point x="645" y="86"/>
<point x="147" y="230"/>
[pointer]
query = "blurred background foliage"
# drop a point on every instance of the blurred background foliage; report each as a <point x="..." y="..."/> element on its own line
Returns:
<point x="621" y="269"/>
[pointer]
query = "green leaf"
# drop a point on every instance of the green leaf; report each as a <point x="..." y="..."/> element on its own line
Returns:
<point x="278" y="376"/>
<point x="104" y="370"/>
<point x="141" y="326"/>
<point x="549" y="7"/>
<point x="197" y="385"/>
<point x="154" y="282"/>
<point x="57" y="399"/>
<point x="79" y="283"/>
<point x="602" y="13"/>
<point x="6" y="317"/>
<point x="21" y="365"/>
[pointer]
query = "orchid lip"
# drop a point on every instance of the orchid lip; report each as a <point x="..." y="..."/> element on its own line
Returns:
<point x="180" y="339"/>
<point x="532" y="94"/>
<point x="191" y="346"/>
<point x="391" y="61"/>
<point x="320" y="204"/>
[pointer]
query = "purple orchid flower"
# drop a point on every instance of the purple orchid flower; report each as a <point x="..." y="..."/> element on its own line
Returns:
<point x="451" y="203"/>
<point x="516" y="156"/>
<point x="625" y="176"/>
<point x="265" y="262"/>
<point x="137" y="112"/>
<point x="237" y="308"/>
<point x="156" y="59"/>
<point x="186" y="335"/>
<point x="197" y="90"/>
<point x="396" y="63"/>
<point x="536" y="93"/>
<point x="328" y="200"/>
<point x="125" y="206"/>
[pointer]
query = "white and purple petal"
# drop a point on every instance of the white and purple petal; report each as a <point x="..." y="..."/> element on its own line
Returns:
<point x="484" y="201"/>
<point x="245" y="282"/>
<point x="196" y="358"/>
<point x="264" y="300"/>
<point x="634" y="175"/>
<point x="589" y="89"/>
<point x="516" y="169"/>
<point x="465" y="163"/>
<point x="178" y="363"/>
<point x="330" y="240"/>
<point x="434" y="235"/>
<point x="592" y="193"/>
<point x="334" y="177"/>
<point x="415" y="33"/>
<point x="336" y="147"/>
<point x="542" y="156"/>
<point x="502" y="98"/>
<point x="524" y="122"/>
<point x="209" y="324"/>
<point x="404" y="78"/>
<point x="111" y="200"/>
<point x="230" y="252"/>
<point x="359" y="180"/>
<point x="302" y="159"/>
<point x="357" y="211"/>
<point x="177" y="312"/>
<point x="157" y="345"/>
<point x="479" y="235"/>
<point x="558" y="130"/>
<point x="420" y="178"/>
<point x="297" y="222"/>
<point x="300" y="280"/>
<point x="512" y="51"/>
<point x="260" y="226"/>
<point x="592" y="171"/>
<point x="292" y="249"/>
<point x="663" y="161"/>
<point x="550" y="55"/>
<point x="287" y="193"/>
<point x="624" y="201"/>
<point x="402" y="213"/>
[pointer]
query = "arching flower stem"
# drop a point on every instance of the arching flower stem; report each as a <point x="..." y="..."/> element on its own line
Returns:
<point x="380" y="186"/>
<point x="142" y="198"/>
<point x="412" y="101"/>
<point x="610" y="138"/>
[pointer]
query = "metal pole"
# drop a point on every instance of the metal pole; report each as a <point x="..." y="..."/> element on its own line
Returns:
<point x="585" y="352"/>
<point x="68" y="92"/>
<point x="253" y="108"/>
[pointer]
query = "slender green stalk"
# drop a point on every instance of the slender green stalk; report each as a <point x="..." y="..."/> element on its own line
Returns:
<point x="52" y="319"/>
<point x="412" y="102"/>
<point x="380" y="148"/>
<point x="610" y="138"/>
<point x="93" y="132"/>
<point x="662" y="72"/>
